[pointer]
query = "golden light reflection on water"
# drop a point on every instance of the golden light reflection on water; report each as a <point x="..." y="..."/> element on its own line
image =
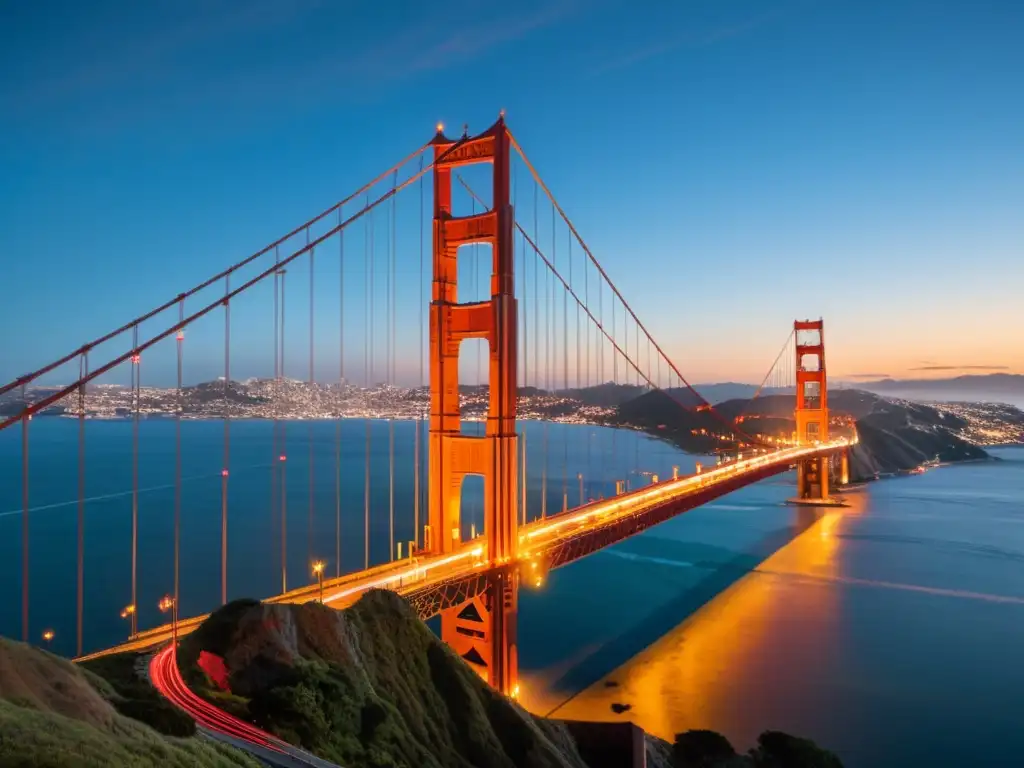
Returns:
<point x="740" y="640"/>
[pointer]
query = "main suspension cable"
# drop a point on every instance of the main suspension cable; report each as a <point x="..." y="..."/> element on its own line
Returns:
<point x="29" y="377"/>
<point x="540" y="182"/>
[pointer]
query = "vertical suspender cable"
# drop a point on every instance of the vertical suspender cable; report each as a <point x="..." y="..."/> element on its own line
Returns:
<point x="565" y="386"/>
<point x="526" y="375"/>
<point x="544" y="465"/>
<point x="283" y="458"/>
<point x="83" y="371"/>
<point x="392" y="245"/>
<point x="419" y="383"/>
<point x="315" y="396"/>
<point x="341" y="393"/>
<point x="599" y="365"/>
<point x="586" y="299"/>
<point x="227" y="446"/>
<point x="615" y="378"/>
<point x="276" y="395"/>
<point x="179" y="340"/>
<point x="636" y="434"/>
<point x="24" y="522"/>
<point x="136" y="376"/>
<point x="368" y="374"/>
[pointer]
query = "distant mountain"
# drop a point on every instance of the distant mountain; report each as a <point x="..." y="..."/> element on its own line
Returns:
<point x="730" y="390"/>
<point x="993" y="387"/>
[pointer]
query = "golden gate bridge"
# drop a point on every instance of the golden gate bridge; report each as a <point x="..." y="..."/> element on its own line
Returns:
<point x="547" y="320"/>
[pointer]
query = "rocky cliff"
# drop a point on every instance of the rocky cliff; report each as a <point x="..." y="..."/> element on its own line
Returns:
<point x="367" y="686"/>
<point x="898" y="436"/>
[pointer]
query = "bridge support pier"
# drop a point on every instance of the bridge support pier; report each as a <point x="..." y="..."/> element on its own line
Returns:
<point x="812" y="474"/>
<point x="483" y="631"/>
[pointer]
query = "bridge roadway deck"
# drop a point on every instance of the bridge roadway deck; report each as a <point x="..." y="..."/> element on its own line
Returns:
<point x="432" y="582"/>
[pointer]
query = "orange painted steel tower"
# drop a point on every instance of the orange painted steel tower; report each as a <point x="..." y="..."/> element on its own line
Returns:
<point x="811" y="408"/>
<point x="482" y="630"/>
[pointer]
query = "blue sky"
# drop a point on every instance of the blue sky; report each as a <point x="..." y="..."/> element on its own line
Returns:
<point x="733" y="165"/>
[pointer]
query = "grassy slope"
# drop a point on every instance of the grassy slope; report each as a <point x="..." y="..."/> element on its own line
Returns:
<point x="368" y="686"/>
<point x="55" y="714"/>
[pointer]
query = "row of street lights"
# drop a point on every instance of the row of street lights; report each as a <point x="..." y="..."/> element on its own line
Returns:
<point x="168" y="603"/>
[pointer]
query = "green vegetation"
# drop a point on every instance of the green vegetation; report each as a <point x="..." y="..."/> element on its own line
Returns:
<point x="54" y="714"/>
<point x="367" y="686"/>
<point x="117" y="679"/>
<point x="372" y="686"/>
<point x="708" y="749"/>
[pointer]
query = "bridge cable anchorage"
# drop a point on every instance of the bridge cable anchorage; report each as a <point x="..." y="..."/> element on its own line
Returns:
<point x="315" y="397"/>
<point x="340" y="398"/>
<point x="704" y="403"/>
<point x="30" y="377"/>
<point x="227" y="445"/>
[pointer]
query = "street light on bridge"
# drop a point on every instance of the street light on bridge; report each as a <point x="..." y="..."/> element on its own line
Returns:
<point x="128" y="612"/>
<point x="318" y="569"/>
<point x="47" y="636"/>
<point x="168" y="603"/>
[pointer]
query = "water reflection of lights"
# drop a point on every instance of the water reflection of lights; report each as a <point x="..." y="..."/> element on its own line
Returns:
<point x="765" y="622"/>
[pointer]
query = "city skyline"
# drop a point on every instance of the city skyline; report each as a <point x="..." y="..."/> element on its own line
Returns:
<point x="156" y="175"/>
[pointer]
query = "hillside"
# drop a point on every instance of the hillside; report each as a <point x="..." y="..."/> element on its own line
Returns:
<point x="53" y="713"/>
<point x="367" y="686"/>
<point x="371" y="685"/>
<point x="895" y="435"/>
<point x="898" y="436"/>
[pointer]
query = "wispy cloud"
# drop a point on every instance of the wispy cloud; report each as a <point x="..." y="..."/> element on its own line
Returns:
<point x="961" y="368"/>
<point x="867" y="376"/>
<point x="149" y="76"/>
<point x="431" y="44"/>
<point x="687" y="39"/>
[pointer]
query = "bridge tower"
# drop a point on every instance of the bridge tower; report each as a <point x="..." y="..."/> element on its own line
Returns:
<point x="482" y="630"/>
<point x="811" y="408"/>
